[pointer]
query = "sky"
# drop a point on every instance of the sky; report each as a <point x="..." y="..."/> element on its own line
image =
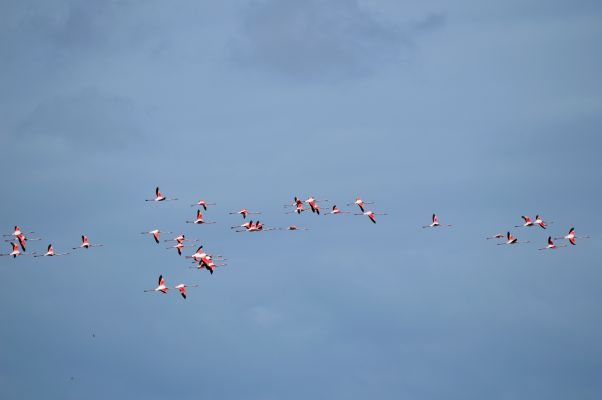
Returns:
<point x="479" y="111"/>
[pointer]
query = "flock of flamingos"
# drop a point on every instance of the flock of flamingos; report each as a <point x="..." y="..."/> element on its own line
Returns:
<point x="204" y="260"/>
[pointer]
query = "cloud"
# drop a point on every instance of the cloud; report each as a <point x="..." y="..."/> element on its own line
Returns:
<point x="322" y="40"/>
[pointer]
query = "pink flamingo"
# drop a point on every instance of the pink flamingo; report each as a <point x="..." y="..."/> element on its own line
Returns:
<point x="360" y="203"/>
<point x="335" y="211"/>
<point x="371" y="215"/>
<point x="199" y="219"/>
<point x="50" y="253"/>
<point x="571" y="237"/>
<point x="182" y="288"/>
<point x="15" y="253"/>
<point x="159" y="196"/>
<point x="435" y="223"/>
<point x="551" y="244"/>
<point x="156" y="234"/>
<point x="160" y="287"/>
<point x="86" y="244"/>
<point x="539" y="221"/>
<point x="511" y="240"/>
<point x="202" y="203"/>
<point x="244" y="212"/>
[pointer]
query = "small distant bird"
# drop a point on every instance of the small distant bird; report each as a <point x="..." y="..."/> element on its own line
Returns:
<point x="435" y="222"/>
<point x="86" y="244"/>
<point x="496" y="236"/>
<point x="199" y="219"/>
<point x="335" y="211"/>
<point x="551" y="244"/>
<point x="179" y="246"/>
<point x="244" y="212"/>
<point x="182" y="288"/>
<point x="159" y="196"/>
<point x="528" y="223"/>
<point x="539" y="221"/>
<point x="15" y="253"/>
<point x="202" y="203"/>
<point x="50" y="253"/>
<point x="156" y="233"/>
<point x="360" y="203"/>
<point x="511" y="240"/>
<point x="161" y="286"/>
<point x="295" y="228"/>
<point x="371" y="215"/>
<point x="571" y="237"/>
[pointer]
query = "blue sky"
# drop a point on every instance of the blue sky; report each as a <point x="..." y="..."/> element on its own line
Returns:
<point x="479" y="112"/>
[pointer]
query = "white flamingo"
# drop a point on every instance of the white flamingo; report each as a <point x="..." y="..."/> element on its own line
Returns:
<point x="182" y="288"/>
<point x="551" y="245"/>
<point x="156" y="234"/>
<point x="202" y="203"/>
<point x="199" y="219"/>
<point x="571" y="237"/>
<point x="86" y="244"/>
<point x="50" y="253"/>
<point x="511" y="240"/>
<point x="371" y="215"/>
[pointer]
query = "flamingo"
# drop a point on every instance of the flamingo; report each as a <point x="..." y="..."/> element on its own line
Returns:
<point x="17" y="231"/>
<point x="200" y="254"/>
<point x="298" y="207"/>
<point x="539" y="221"/>
<point x="244" y="212"/>
<point x="511" y="240"/>
<point x="295" y="228"/>
<point x="22" y="239"/>
<point x="86" y="244"/>
<point x="156" y="233"/>
<point x="528" y="223"/>
<point x="256" y="227"/>
<point x="179" y="246"/>
<point x="435" y="223"/>
<point x="551" y="245"/>
<point x="313" y="204"/>
<point x="199" y="219"/>
<point x="202" y="203"/>
<point x="496" y="236"/>
<point x="246" y="225"/>
<point x="360" y="203"/>
<point x="571" y="237"/>
<point x="182" y="288"/>
<point x="181" y="238"/>
<point x="160" y="287"/>
<point x="15" y="253"/>
<point x="371" y="215"/>
<point x="336" y="211"/>
<point x="50" y="253"/>
<point x="159" y="196"/>
<point x="207" y="263"/>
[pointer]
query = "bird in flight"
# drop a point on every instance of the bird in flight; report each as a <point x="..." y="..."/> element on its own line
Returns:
<point x="244" y="212"/>
<point x="435" y="222"/>
<point x="360" y="203"/>
<point x="159" y="196"/>
<point x="182" y="288"/>
<point x="199" y="219"/>
<point x="156" y="234"/>
<point x="202" y="203"/>
<point x="86" y="244"/>
<point x="371" y="215"/>
<point x="551" y="245"/>
<point x="511" y="240"/>
<point x="160" y="286"/>
<point x="50" y="253"/>
<point x="571" y="237"/>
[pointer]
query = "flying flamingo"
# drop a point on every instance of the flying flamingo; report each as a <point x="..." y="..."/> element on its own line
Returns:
<point x="199" y="219"/>
<point x="571" y="237"/>
<point x="156" y="233"/>
<point x="22" y="239"/>
<point x="160" y="197"/>
<point x="539" y="221"/>
<point x="511" y="240"/>
<point x="86" y="244"/>
<point x="246" y="225"/>
<point x="528" y="223"/>
<point x="182" y="288"/>
<point x="15" y="253"/>
<point x="298" y="207"/>
<point x="208" y="264"/>
<point x="256" y="227"/>
<point x="336" y="211"/>
<point x="50" y="253"/>
<point x="200" y="254"/>
<point x="179" y="246"/>
<point x="371" y="215"/>
<point x="313" y="204"/>
<point x="496" y="236"/>
<point x="244" y="212"/>
<point x="161" y="286"/>
<point x="360" y="203"/>
<point x="551" y="245"/>
<point x="435" y="223"/>
<point x="295" y="228"/>
<point x="202" y="203"/>
<point x="181" y="238"/>
<point x="17" y="231"/>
